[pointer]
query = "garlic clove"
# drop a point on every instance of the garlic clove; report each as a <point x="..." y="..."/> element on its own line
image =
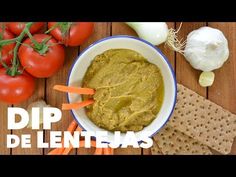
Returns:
<point x="40" y="104"/>
<point x="206" y="78"/>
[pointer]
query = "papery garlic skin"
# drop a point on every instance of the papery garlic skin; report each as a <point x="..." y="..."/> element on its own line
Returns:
<point x="206" y="49"/>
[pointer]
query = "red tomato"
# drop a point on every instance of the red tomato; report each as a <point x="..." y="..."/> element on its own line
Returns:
<point x="6" y="50"/>
<point x="79" y="32"/>
<point x="17" y="27"/>
<point x="14" y="90"/>
<point x="41" y="65"/>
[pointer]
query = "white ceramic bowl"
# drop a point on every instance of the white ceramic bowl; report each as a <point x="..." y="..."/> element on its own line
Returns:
<point x="151" y="53"/>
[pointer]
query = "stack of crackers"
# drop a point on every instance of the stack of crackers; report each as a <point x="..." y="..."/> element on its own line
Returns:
<point x="197" y="126"/>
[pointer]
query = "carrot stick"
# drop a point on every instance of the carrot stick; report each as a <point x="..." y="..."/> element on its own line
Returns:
<point x="79" y="129"/>
<point x="67" y="150"/>
<point x="82" y="143"/>
<point x="71" y="129"/>
<point x="60" y="150"/>
<point x="93" y="143"/>
<point x="70" y="89"/>
<point x="77" y="105"/>
<point x="72" y="126"/>
<point x="111" y="151"/>
<point x="107" y="151"/>
<point x="54" y="152"/>
<point x="98" y="151"/>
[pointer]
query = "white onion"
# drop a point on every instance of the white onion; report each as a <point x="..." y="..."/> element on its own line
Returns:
<point x="153" y="32"/>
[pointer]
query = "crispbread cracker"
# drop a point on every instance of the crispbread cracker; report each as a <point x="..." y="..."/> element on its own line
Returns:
<point x="171" y="141"/>
<point x="155" y="150"/>
<point x="203" y="120"/>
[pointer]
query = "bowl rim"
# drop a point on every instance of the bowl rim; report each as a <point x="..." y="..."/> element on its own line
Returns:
<point x="140" y="40"/>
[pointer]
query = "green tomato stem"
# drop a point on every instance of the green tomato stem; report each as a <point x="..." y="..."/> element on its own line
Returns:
<point x="15" y="64"/>
<point x="8" y="41"/>
<point x="52" y="28"/>
<point x="13" y="71"/>
<point x="40" y="47"/>
<point x="65" y="30"/>
<point x="3" y="30"/>
<point x="36" y="44"/>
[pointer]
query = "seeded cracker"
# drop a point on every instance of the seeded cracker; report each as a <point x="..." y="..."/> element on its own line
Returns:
<point x="155" y="150"/>
<point x="203" y="120"/>
<point x="173" y="142"/>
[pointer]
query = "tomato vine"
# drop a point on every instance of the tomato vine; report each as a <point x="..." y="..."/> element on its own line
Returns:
<point x="14" y="69"/>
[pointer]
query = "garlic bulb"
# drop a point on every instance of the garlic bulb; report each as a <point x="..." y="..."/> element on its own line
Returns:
<point x="206" y="49"/>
